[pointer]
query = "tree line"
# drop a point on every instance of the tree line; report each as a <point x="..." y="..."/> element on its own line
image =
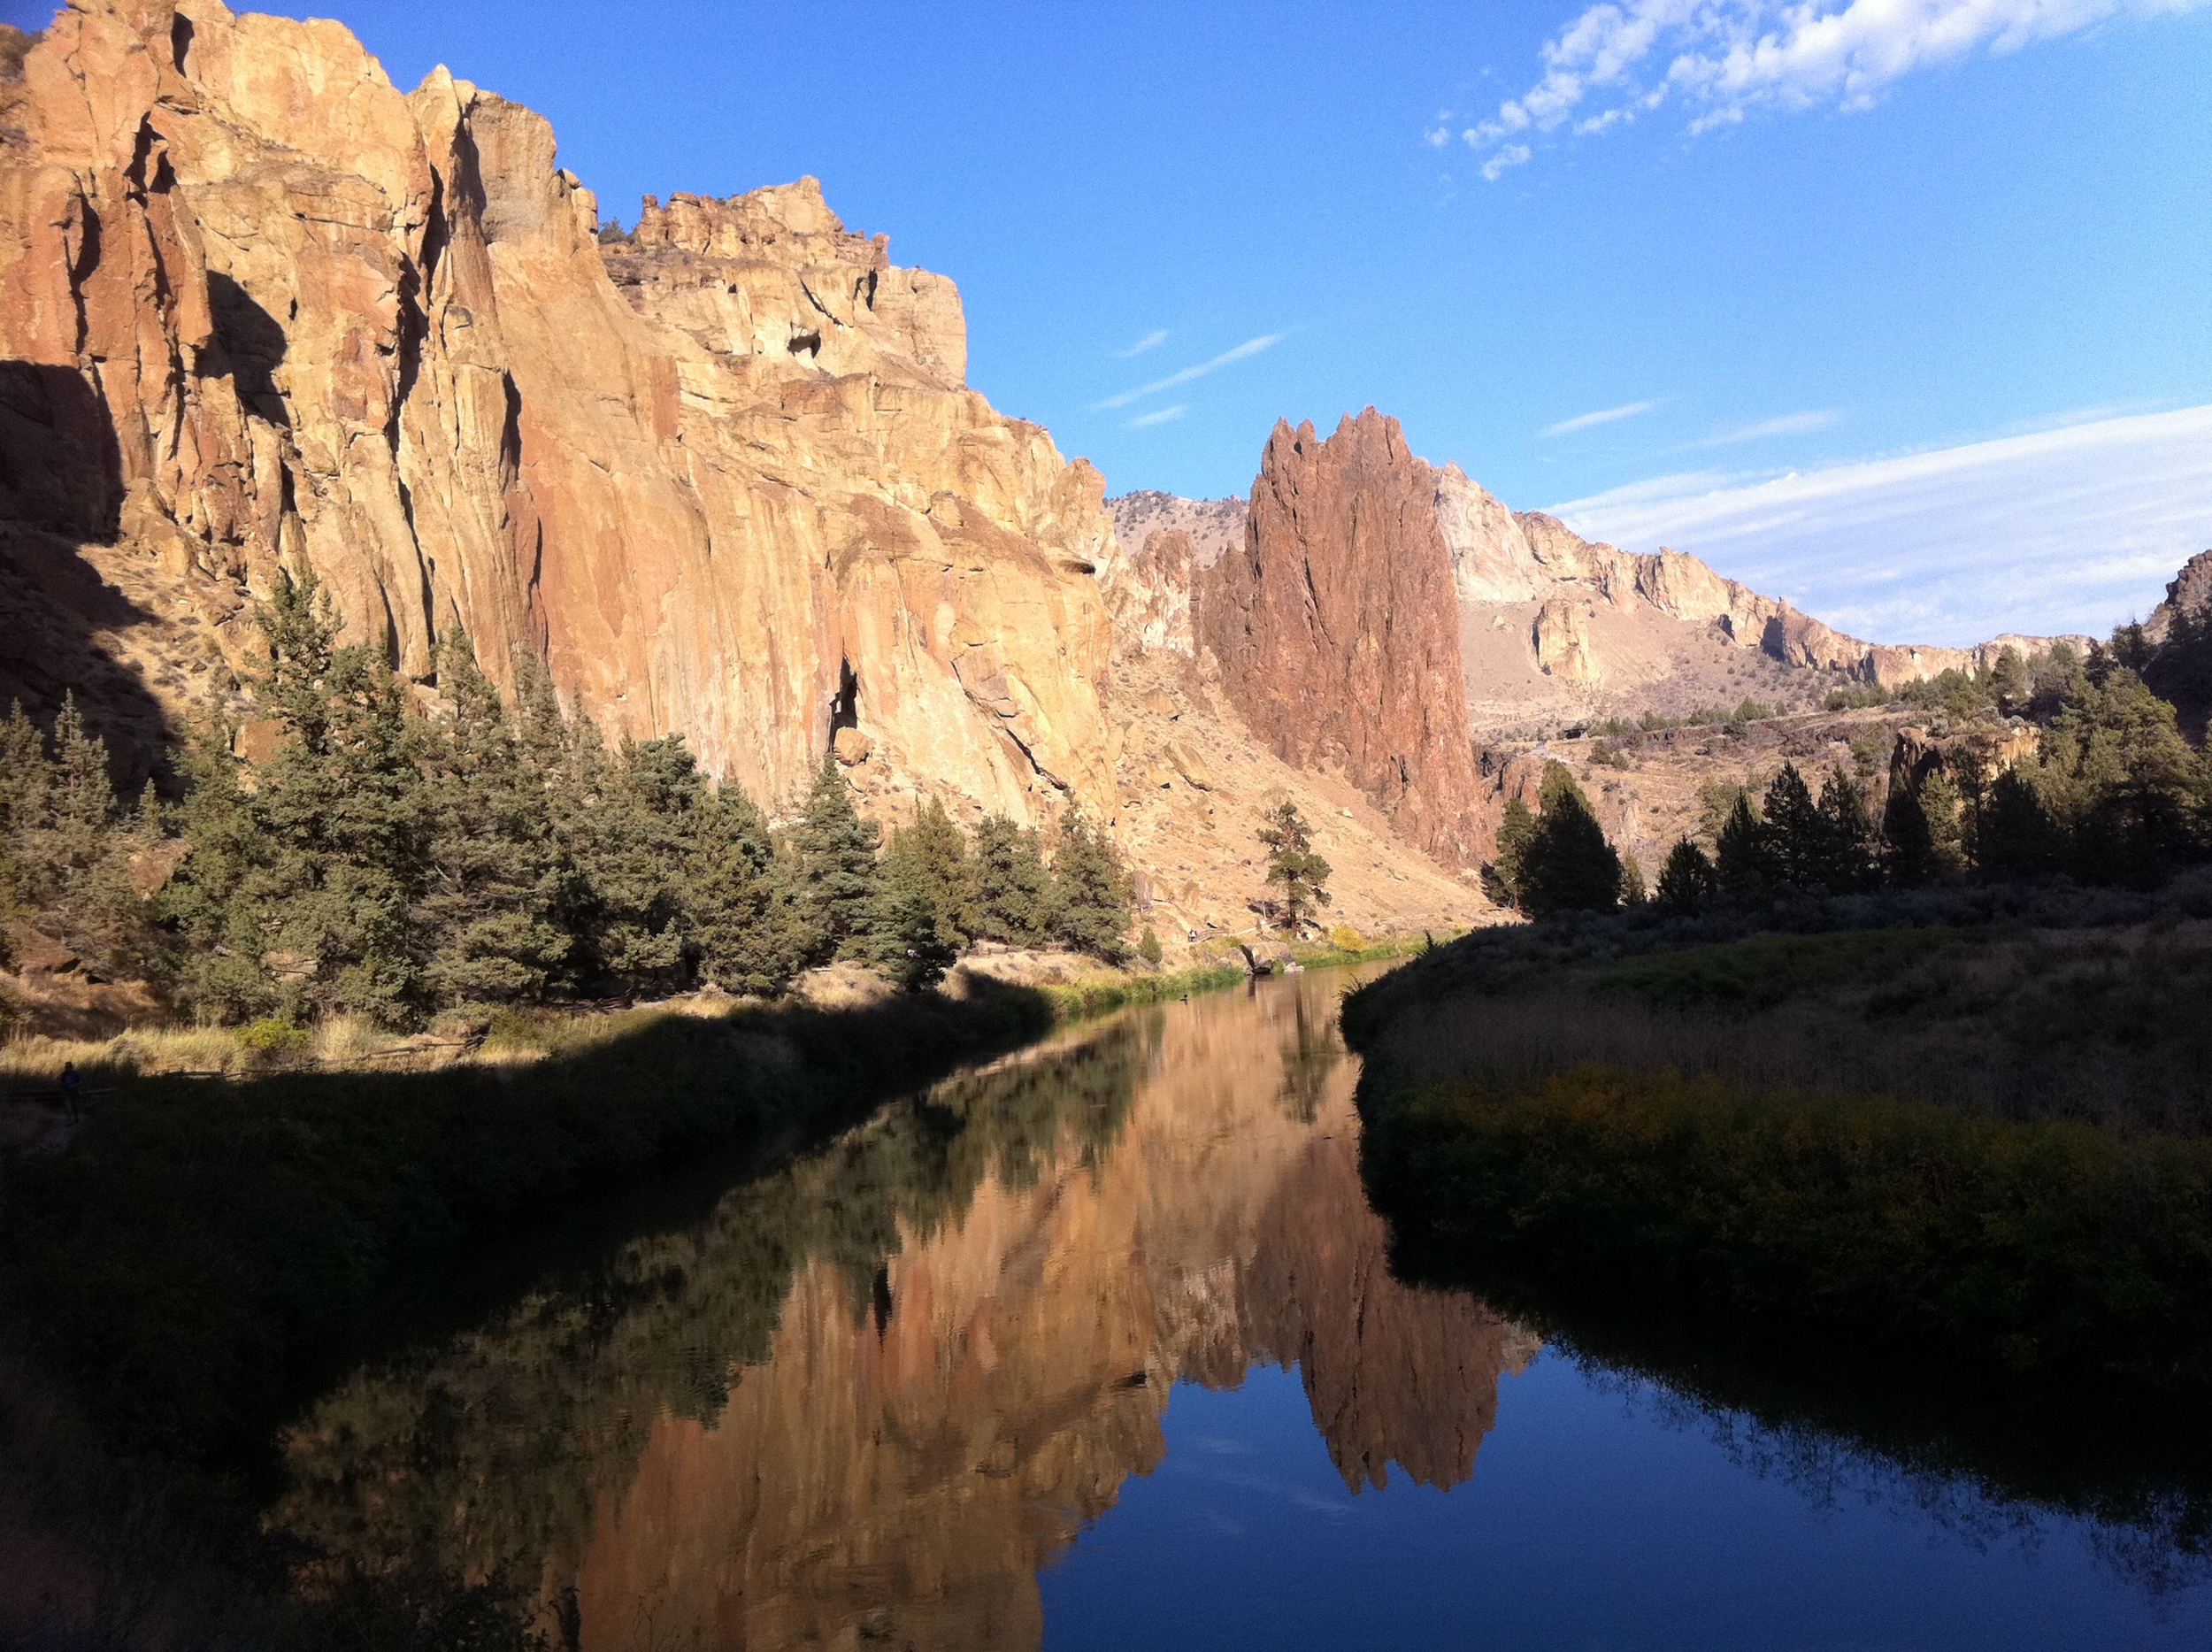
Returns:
<point x="386" y="863"/>
<point x="2115" y="795"/>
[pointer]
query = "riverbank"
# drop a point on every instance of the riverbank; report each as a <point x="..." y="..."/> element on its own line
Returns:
<point x="1987" y="1141"/>
<point x="206" y="1248"/>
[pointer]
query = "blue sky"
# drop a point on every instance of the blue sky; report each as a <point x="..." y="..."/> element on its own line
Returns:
<point x="1872" y="231"/>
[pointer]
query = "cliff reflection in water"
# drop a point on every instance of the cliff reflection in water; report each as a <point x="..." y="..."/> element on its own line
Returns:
<point x="873" y="1394"/>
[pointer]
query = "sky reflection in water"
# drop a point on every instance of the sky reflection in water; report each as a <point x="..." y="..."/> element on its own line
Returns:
<point x="1592" y="1520"/>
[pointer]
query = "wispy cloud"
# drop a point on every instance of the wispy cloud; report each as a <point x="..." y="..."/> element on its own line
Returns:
<point x="1603" y="415"/>
<point x="2071" y="529"/>
<point x="1250" y="346"/>
<point x="1788" y="425"/>
<point x="1722" y="60"/>
<point x="1150" y="341"/>
<point x="1163" y="416"/>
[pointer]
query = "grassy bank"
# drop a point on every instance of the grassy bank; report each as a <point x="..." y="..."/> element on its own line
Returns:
<point x="2047" y="1248"/>
<point x="207" y="1248"/>
<point x="1989" y="1139"/>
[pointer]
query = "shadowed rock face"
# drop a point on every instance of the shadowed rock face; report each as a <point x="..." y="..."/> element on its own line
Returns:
<point x="1337" y="630"/>
<point x="259" y="309"/>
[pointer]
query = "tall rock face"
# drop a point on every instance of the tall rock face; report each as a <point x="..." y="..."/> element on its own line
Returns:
<point x="1336" y="629"/>
<point x="260" y="311"/>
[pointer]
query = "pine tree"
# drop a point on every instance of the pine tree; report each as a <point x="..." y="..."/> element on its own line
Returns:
<point x="1939" y="806"/>
<point x="2017" y="838"/>
<point x="500" y="883"/>
<point x="1744" y="864"/>
<point x="1797" y="836"/>
<point x="333" y="896"/>
<point x="1091" y="890"/>
<point x="1501" y="878"/>
<point x="1570" y="867"/>
<point x="742" y="913"/>
<point x="1908" y="849"/>
<point x="924" y="899"/>
<point x="833" y="851"/>
<point x="1687" y="881"/>
<point x="1848" y="849"/>
<point x="1013" y="889"/>
<point x="1293" y="867"/>
<point x="1633" y="892"/>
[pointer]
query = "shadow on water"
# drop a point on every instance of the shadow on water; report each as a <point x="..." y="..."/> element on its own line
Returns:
<point x="209" y="1256"/>
<point x="1983" y="1454"/>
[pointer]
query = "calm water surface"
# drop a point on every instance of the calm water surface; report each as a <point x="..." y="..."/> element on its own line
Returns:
<point x="1099" y="1349"/>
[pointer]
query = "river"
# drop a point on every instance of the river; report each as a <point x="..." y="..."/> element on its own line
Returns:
<point x="1099" y="1347"/>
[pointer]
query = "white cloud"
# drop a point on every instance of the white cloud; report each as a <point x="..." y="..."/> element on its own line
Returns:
<point x="1250" y="346"/>
<point x="1160" y="418"/>
<point x="1512" y="156"/>
<point x="1723" y="59"/>
<point x="1150" y="341"/>
<point x="1788" y="425"/>
<point x="1603" y="415"/>
<point x="2072" y="529"/>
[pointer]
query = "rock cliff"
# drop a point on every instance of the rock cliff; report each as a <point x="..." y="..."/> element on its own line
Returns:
<point x="264" y="311"/>
<point x="1336" y="631"/>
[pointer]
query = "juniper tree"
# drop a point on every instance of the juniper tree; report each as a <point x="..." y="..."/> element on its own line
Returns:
<point x="1796" y="834"/>
<point x="834" y="854"/>
<point x="2015" y="837"/>
<point x="1501" y="878"/>
<point x="500" y="889"/>
<point x="1293" y="866"/>
<point x="1908" y="848"/>
<point x="1091" y="889"/>
<point x="744" y="924"/>
<point x="1013" y="889"/>
<point x="333" y="894"/>
<point x="923" y="902"/>
<point x="1687" y="881"/>
<point x="1744" y="861"/>
<point x="1848" y="847"/>
<point x="1569" y="867"/>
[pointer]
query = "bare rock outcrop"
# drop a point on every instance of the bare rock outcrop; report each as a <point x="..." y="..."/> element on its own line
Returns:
<point x="1335" y="628"/>
<point x="264" y="311"/>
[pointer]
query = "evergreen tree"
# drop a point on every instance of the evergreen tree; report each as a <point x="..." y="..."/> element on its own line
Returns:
<point x="1940" y="807"/>
<point x="1633" y="892"/>
<point x="1745" y="863"/>
<point x="500" y="884"/>
<point x="1908" y="848"/>
<point x="1570" y="867"/>
<point x="333" y="895"/>
<point x="743" y="916"/>
<point x="1091" y="890"/>
<point x="1847" y="852"/>
<point x="1013" y="889"/>
<point x="833" y="851"/>
<point x="629" y="822"/>
<point x="2017" y="838"/>
<point x="1501" y="878"/>
<point x="1797" y="834"/>
<point x="924" y="899"/>
<point x="1294" y="868"/>
<point x="1687" y="881"/>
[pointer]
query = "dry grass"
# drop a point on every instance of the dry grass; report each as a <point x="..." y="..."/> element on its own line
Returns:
<point x="2107" y="1028"/>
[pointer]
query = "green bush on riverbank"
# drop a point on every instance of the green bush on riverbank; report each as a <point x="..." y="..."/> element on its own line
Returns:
<point x="2045" y="1246"/>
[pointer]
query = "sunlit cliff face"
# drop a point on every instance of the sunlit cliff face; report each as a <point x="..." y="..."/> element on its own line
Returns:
<point x="975" y="1349"/>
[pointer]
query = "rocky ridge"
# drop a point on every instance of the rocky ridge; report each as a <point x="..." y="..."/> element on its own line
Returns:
<point x="265" y="311"/>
